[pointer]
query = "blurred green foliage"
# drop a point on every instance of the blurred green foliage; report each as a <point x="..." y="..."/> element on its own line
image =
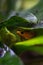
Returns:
<point x="34" y="6"/>
<point x="10" y="60"/>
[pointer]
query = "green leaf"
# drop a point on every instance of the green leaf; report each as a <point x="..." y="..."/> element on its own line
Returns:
<point x="16" y="21"/>
<point x="10" y="60"/>
<point x="28" y="16"/>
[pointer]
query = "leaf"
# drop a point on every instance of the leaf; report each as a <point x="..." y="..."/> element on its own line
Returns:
<point x="28" y="16"/>
<point x="16" y="22"/>
<point x="10" y="60"/>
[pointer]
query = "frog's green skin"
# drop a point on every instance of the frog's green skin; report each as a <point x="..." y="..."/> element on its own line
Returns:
<point x="7" y="37"/>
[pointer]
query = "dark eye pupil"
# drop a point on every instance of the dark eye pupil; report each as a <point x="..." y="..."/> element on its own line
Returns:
<point x="22" y="32"/>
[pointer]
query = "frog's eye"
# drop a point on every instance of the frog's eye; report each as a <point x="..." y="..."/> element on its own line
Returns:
<point x="22" y="32"/>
